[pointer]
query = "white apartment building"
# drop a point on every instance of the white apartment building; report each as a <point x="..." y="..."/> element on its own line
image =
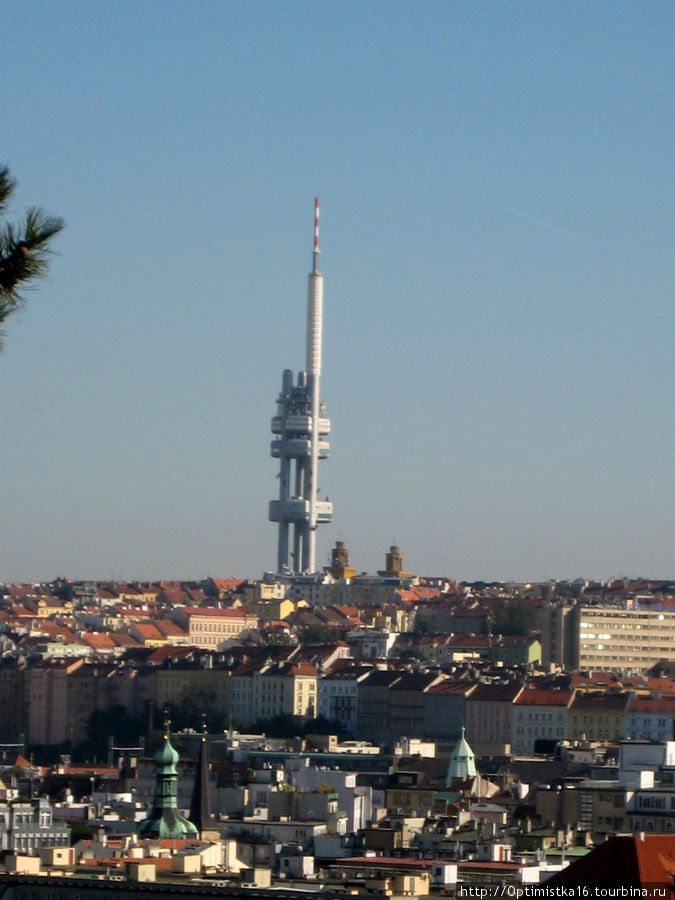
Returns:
<point x="338" y="696"/>
<point x="650" y="719"/>
<point x="623" y="636"/>
<point x="539" y="714"/>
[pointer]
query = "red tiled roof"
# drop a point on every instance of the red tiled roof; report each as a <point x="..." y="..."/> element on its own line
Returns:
<point x="489" y="865"/>
<point x="122" y="639"/>
<point x="597" y="701"/>
<point x="227" y="584"/>
<point x="652" y="705"/>
<point x="134" y="611"/>
<point x="173" y="843"/>
<point x="452" y="687"/>
<point x="98" y="640"/>
<point x="597" y="679"/>
<point x="624" y="861"/>
<point x="53" y="631"/>
<point x="169" y="628"/>
<point x="162" y="653"/>
<point x="665" y="686"/>
<point x="400" y="862"/>
<point x="148" y="631"/>
<point x="238" y="613"/>
<point x="20" y="612"/>
<point x="302" y="668"/>
<point x="101" y="771"/>
<point x="22" y="762"/>
<point x="543" y="697"/>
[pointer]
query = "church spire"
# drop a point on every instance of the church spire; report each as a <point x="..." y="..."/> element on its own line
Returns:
<point x="462" y="762"/>
<point x="165" y="819"/>
<point x="200" y="807"/>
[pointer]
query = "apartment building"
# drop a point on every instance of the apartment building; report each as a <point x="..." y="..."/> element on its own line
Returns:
<point x="445" y="709"/>
<point x="623" y="635"/>
<point x="13" y="701"/>
<point x="374" y="705"/>
<point x="285" y="688"/>
<point x="596" y="806"/>
<point x="188" y="680"/>
<point x="539" y="719"/>
<point x="28" y="827"/>
<point x="46" y="695"/>
<point x="597" y="717"/>
<point x="268" y="689"/>
<point x="650" y="719"/>
<point x="652" y="810"/>
<point x="489" y="717"/>
<point x="406" y="710"/>
<point x="209" y="627"/>
<point x="338" y="696"/>
<point x="241" y="694"/>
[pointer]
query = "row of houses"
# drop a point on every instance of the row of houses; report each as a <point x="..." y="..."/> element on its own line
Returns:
<point x="627" y="626"/>
<point x="504" y="712"/>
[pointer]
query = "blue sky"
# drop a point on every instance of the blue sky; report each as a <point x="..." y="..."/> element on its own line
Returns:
<point x="496" y="184"/>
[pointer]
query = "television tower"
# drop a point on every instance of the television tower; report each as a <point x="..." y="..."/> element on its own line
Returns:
<point x="301" y="426"/>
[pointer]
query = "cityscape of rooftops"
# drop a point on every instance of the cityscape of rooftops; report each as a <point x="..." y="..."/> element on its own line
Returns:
<point x="337" y="440"/>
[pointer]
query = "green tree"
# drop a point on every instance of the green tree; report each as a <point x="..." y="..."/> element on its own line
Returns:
<point x="105" y="723"/>
<point x="318" y="634"/>
<point x="24" y="250"/>
<point x="191" y="709"/>
<point x="517" y="618"/>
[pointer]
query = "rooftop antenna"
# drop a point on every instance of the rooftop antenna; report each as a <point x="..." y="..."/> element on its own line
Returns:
<point x="315" y="254"/>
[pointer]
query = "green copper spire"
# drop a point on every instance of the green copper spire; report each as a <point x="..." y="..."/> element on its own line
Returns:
<point x="165" y="820"/>
<point x="462" y="762"/>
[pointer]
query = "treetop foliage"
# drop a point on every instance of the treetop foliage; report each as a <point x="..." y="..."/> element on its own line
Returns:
<point x="24" y="250"/>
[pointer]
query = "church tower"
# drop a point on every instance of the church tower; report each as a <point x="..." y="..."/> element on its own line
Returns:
<point x="165" y="819"/>
<point x="200" y="806"/>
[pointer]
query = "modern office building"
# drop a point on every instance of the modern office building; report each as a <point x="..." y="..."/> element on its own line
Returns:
<point x="624" y="636"/>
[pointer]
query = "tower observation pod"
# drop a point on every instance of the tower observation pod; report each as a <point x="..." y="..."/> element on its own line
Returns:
<point x="300" y="428"/>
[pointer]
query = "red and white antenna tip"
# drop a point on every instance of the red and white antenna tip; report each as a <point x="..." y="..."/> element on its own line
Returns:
<point x="316" y="224"/>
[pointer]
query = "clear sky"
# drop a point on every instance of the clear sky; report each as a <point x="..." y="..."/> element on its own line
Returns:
<point x="496" y="184"/>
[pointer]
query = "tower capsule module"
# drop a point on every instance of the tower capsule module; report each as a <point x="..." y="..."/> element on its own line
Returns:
<point x="301" y="428"/>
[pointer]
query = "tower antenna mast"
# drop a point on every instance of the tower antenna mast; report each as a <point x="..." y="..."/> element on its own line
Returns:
<point x="302" y="428"/>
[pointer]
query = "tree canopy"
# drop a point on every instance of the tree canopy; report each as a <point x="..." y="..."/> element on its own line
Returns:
<point x="24" y="250"/>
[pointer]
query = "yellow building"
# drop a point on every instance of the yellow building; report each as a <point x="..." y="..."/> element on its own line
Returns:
<point x="597" y="717"/>
<point x="286" y="688"/>
<point x="271" y="610"/>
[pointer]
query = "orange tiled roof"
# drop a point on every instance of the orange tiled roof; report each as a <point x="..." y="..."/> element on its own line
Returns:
<point x="302" y="668"/>
<point x="148" y="631"/>
<point x="169" y="628"/>
<point x="227" y="584"/>
<point x="98" y="640"/>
